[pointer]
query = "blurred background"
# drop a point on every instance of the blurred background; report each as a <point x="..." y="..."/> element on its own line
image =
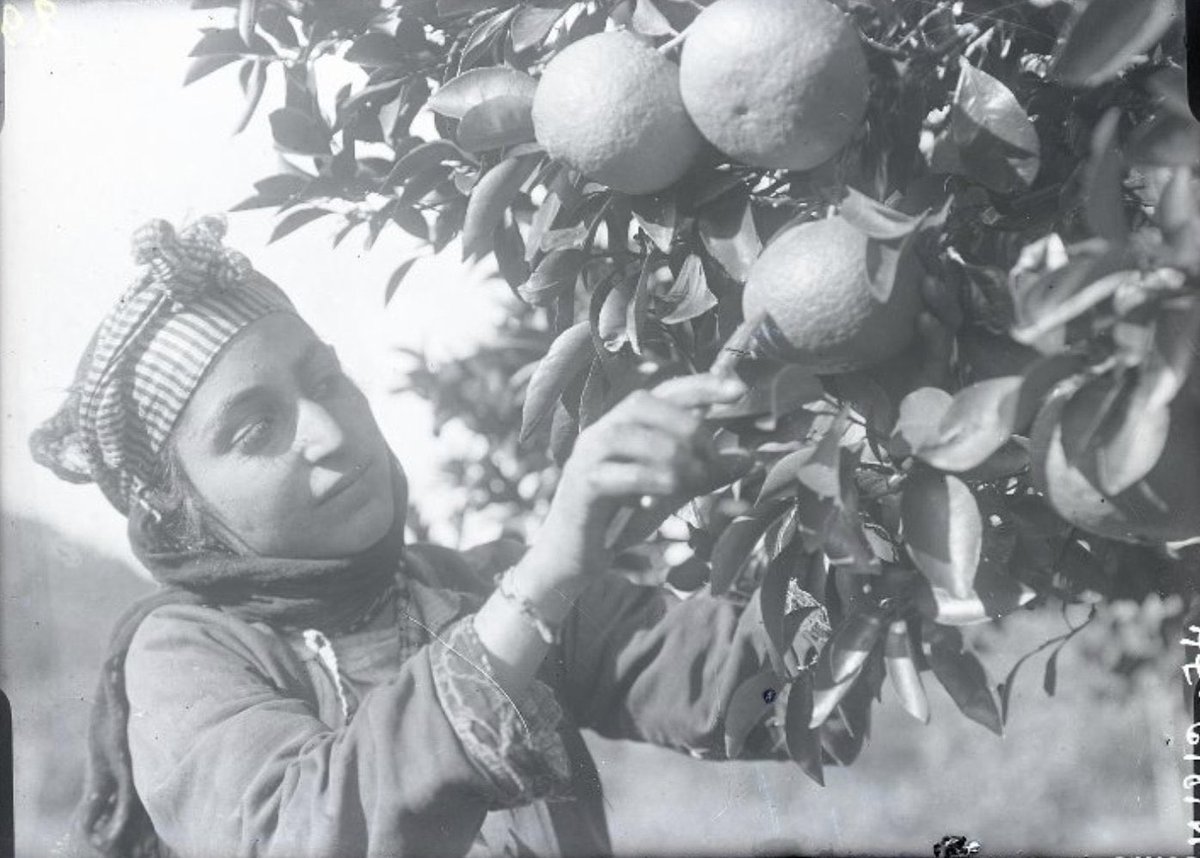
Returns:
<point x="100" y="135"/>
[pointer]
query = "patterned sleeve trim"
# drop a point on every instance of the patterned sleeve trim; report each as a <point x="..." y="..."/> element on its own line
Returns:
<point x="512" y="740"/>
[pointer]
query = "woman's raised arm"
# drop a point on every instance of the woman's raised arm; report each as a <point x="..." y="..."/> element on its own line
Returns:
<point x="638" y="662"/>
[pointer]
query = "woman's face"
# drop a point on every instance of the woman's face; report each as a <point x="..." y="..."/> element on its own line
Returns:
<point x="283" y="449"/>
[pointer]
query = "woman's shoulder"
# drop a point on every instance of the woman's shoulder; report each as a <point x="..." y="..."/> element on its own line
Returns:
<point x="471" y="570"/>
<point x="179" y="633"/>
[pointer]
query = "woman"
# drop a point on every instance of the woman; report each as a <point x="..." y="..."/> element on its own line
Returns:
<point x="304" y="683"/>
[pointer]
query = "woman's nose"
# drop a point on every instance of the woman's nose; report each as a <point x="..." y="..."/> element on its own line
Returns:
<point x="318" y="432"/>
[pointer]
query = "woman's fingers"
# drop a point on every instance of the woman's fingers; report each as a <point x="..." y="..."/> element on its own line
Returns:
<point x="697" y="391"/>
<point x="620" y="479"/>
<point x="638" y="443"/>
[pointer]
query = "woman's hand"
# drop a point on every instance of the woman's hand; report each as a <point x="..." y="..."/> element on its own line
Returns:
<point x="653" y="442"/>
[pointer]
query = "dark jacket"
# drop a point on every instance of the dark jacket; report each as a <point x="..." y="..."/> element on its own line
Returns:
<point x="395" y="741"/>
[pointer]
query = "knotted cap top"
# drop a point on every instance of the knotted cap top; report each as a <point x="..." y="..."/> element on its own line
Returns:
<point x="149" y="354"/>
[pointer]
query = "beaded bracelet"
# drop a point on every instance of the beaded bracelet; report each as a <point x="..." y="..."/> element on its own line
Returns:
<point x="551" y="634"/>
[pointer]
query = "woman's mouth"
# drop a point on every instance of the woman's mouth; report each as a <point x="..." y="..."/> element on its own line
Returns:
<point x="343" y="484"/>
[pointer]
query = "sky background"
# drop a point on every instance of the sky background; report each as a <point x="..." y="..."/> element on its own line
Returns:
<point x="100" y="135"/>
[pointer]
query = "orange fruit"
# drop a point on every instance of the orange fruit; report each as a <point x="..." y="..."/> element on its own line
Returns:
<point x="1163" y="506"/>
<point x="774" y="83"/>
<point x="609" y="106"/>
<point x="812" y="280"/>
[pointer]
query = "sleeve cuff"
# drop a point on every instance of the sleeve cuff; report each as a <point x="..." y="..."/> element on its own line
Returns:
<point x="512" y="739"/>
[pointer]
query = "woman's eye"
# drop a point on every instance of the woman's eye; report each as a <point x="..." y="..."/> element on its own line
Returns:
<point x="254" y="434"/>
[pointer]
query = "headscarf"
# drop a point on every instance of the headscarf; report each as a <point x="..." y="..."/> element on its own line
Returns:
<point x="150" y="352"/>
<point x="192" y="297"/>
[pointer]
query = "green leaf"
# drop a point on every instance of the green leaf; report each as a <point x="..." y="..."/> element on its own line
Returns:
<point x="419" y="159"/>
<point x="377" y="50"/>
<point x="844" y="734"/>
<point x="883" y="261"/>
<point x="484" y="38"/>
<point x="1167" y="140"/>
<point x="963" y="677"/>
<point x="563" y="431"/>
<point x="229" y="43"/>
<point x="749" y="704"/>
<point x="943" y="530"/>
<point x="561" y="194"/>
<point x="1104" y="203"/>
<point x="648" y="21"/>
<point x="373" y="96"/>
<point x="500" y="121"/>
<point x="294" y="221"/>
<point x="1173" y="352"/>
<point x="411" y="221"/>
<point x="803" y="743"/>
<point x="735" y="543"/>
<point x="254" y="91"/>
<point x="613" y="321"/>
<point x="273" y="191"/>
<point x="874" y="219"/>
<point x="980" y="419"/>
<point x="492" y="194"/>
<point x="781" y="478"/>
<point x="792" y="387"/>
<point x="820" y="473"/>
<point x="472" y="88"/>
<point x="1105" y="36"/>
<point x="899" y="656"/>
<point x="690" y="575"/>
<point x="921" y="414"/>
<point x="728" y="232"/>
<point x="297" y="132"/>
<point x="532" y="23"/>
<point x="510" y="253"/>
<point x="561" y="239"/>
<point x="454" y="8"/>
<point x="570" y="354"/>
<point x="1050" y="301"/>
<point x="554" y="275"/>
<point x="852" y="643"/>
<point x="689" y="296"/>
<point x="638" y="309"/>
<point x="996" y="140"/>
<point x="395" y="279"/>
<point x="247" y="18"/>
<point x="1179" y="217"/>
<point x="1039" y="379"/>
<point x="1132" y="436"/>
<point x="206" y="65"/>
<point x="657" y="216"/>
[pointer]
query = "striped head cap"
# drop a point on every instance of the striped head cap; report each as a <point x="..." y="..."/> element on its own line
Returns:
<point x="148" y="356"/>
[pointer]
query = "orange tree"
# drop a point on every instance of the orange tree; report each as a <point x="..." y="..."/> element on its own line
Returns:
<point x="966" y="237"/>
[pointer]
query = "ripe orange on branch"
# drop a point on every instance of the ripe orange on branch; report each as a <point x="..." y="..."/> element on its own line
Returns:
<point x="609" y="106"/>
<point x="813" y="281"/>
<point x="774" y="83"/>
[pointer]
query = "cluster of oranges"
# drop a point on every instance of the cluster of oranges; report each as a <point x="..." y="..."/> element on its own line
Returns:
<point x="775" y="84"/>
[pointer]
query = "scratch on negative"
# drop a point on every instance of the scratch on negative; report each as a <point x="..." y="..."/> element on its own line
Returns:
<point x="482" y="670"/>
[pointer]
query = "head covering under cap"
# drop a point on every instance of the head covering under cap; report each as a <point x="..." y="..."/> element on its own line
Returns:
<point x="150" y="353"/>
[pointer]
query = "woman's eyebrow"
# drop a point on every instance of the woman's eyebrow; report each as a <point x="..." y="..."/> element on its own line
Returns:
<point x="230" y="405"/>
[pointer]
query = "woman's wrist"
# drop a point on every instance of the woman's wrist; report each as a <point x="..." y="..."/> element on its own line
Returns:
<point x="517" y="643"/>
<point x="540" y="578"/>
